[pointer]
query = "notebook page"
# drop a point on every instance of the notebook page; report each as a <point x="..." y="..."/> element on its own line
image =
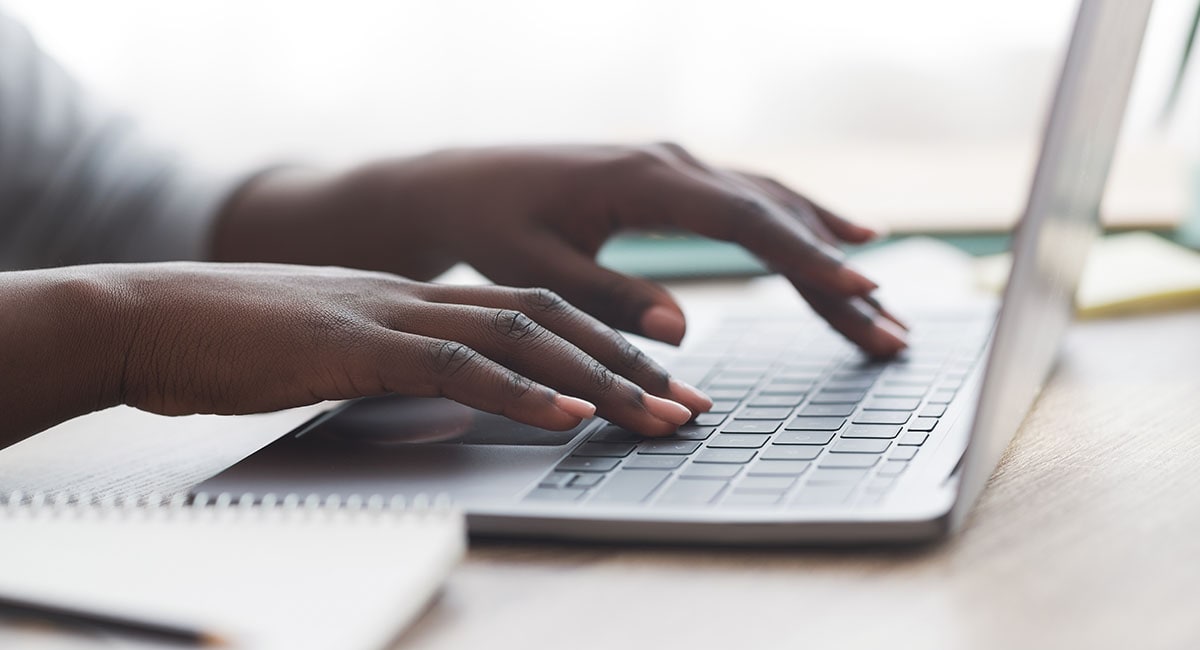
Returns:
<point x="266" y="578"/>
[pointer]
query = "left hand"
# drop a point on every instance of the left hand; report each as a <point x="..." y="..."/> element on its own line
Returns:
<point x="537" y="216"/>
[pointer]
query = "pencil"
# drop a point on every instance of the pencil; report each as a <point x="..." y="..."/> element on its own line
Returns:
<point x="70" y="616"/>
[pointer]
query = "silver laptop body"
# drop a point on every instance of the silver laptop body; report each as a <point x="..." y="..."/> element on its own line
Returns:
<point x="815" y="444"/>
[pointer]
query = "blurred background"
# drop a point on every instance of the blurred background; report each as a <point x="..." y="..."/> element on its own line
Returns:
<point x="920" y="116"/>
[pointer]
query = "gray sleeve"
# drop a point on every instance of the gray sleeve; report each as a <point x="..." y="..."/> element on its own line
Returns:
<point x="77" y="184"/>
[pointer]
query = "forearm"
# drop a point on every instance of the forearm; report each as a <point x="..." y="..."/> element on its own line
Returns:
<point x="78" y="185"/>
<point x="301" y="216"/>
<point x="60" y="353"/>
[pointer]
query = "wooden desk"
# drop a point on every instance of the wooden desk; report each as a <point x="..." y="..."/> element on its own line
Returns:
<point x="1088" y="536"/>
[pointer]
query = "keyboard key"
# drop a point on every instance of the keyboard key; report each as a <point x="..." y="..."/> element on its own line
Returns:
<point x="913" y="438"/>
<point x="693" y="432"/>
<point x="766" y="401"/>
<point x="765" y="483"/>
<point x="696" y="493"/>
<point x="803" y="438"/>
<point x="666" y="446"/>
<point x="899" y="391"/>
<point x="815" y="424"/>
<point x="777" y="467"/>
<point x="860" y="446"/>
<point x="762" y="365"/>
<point x="791" y="452"/>
<point x="848" y="461"/>
<point x="736" y="498"/>
<point x="554" y="494"/>
<point x="838" y="397"/>
<point x="731" y="375"/>
<point x="941" y="397"/>
<point x="723" y="406"/>
<point x="827" y="410"/>
<point x="933" y="411"/>
<point x="786" y="388"/>
<point x="738" y="441"/>
<point x="871" y="431"/>
<point x="797" y="376"/>
<point x="893" y="468"/>
<point x="577" y="464"/>
<point x="903" y="453"/>
<point x="708" y="419"/>
<point x="816" y="496"/>
<point x="654" y="462"/>
<point x="557" y="479"/>
<point x="763" y="414"/>
<point x="881" y="417"/>
<point x="837" y="475"/>
<point x="737" y="456"/>
<point x="613" y="433"/>
<point x="855" y="373"/>
<point x="751" y="426"/>
<point x="737" y="384"/>
<point x="851" y="384"/>
<point x="736" y="394"/>
<point x="603" y="450"/>
<point x="586" y="480"/>
<point x="629" y="486"/>
<point x="695" y="471"/>
<point x="923" y="424"/>
<point x="892" y="404"/>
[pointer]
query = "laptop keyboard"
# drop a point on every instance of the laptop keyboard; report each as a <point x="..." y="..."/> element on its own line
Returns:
<point x="801" y="419"/>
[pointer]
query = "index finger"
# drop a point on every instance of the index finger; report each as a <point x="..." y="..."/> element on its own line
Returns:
<point x="704" y="203"/>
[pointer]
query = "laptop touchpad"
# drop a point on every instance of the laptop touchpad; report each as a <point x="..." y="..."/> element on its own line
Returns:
<point x="393" y="420"/>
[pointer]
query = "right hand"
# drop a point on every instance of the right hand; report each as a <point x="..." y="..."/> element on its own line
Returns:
<point x="245" y="338"/>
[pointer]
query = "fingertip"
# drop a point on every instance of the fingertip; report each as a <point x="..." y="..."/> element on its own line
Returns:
<point x="689" y="396"/>
<point x="887" y="338"/>
<point x="575" y="407"/>
<point x="857" y="283"/>
<point x="667" y="410"/>
<point x="664" y="324"/>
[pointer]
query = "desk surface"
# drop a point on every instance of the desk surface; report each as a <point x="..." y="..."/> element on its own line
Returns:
<point x="1087" y="536"/>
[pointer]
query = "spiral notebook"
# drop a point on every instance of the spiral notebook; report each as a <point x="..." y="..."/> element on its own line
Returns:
<point x="286" y="573"/>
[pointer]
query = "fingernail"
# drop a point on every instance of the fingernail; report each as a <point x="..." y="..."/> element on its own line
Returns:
<point x="877" y="231"/>
<point x="664" y="324"/>
<point x="580" y="408"/>
<point x="686" y="393"/>
<point x="885" y="312"/>
<point x="665" y="409"/>
<point x="861" y="284"/>
<point x="890" y="335"/>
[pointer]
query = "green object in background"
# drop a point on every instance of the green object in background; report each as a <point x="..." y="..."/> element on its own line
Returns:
<point x="676" y="256"/>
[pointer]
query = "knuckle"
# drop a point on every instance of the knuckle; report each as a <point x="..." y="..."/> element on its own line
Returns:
<point x="516" y="386"/>
<point x="515" y="325"/>
<point x="603" y="380"/>
<point x="635" y="159"/>
<point x="450" y="358"/>
<point x="543" y="300"/>
<point x="746" y="216"/>
<point x="631" y="356"/>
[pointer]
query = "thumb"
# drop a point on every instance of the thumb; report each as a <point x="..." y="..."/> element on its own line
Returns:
<point x="626" y="303"/>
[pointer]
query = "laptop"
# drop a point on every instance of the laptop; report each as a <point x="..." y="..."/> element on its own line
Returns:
<point x="809" y="442"/>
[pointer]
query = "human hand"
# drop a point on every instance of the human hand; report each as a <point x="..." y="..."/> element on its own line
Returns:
<point x="538" y="216"/>
<point x="187" y="338"/>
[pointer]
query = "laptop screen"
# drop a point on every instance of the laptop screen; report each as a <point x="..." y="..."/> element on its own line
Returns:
<point x="1059" y="224"/>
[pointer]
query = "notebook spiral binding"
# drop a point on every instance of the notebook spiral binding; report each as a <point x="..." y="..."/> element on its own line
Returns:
<point x="310" y="506"/>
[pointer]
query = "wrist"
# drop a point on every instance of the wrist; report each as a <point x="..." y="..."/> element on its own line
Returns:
<point x="269" y="218"/>
<point x="64" y="339"/>
<point x="383" y="216"/>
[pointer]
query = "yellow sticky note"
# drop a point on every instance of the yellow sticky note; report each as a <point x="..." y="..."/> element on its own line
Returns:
<point x="1126" y="273"/>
